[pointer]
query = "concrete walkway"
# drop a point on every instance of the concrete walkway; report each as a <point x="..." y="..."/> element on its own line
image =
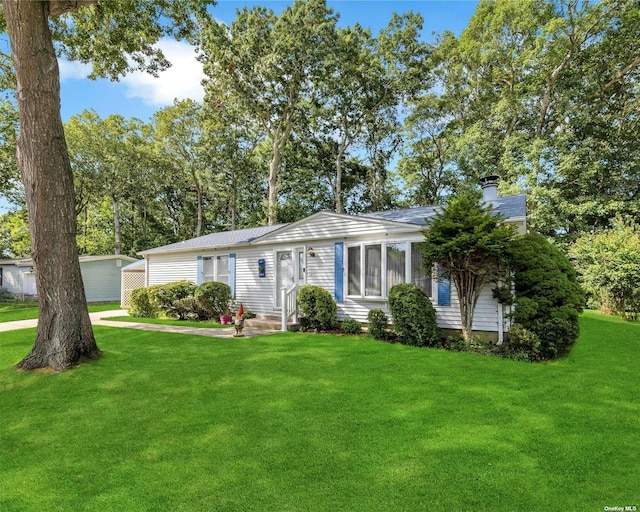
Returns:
<point x="99" y="318"/>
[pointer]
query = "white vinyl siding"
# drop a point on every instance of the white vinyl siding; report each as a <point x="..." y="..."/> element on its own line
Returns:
<point x="332" y="226"/>
<point x="170" y="267"/>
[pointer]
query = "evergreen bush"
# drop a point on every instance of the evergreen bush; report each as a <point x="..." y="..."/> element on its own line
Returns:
<point x="351" y="326"/>
<point x="214" y="299"/>
<point x="140" y="305"/>
<point x="164" y="297"/>
<point x="414" y="317"/>
<point x="378" y="323"/>
<point x="548" y="298"/>
<point x="316" y="308"/>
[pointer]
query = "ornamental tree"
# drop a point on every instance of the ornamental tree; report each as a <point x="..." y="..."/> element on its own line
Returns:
<point x="469" y="242"/>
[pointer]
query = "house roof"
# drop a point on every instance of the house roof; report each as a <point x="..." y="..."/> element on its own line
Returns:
<point x="136" y="266"/>
<point x="222" y="239"/>
<point x="510" y="206"/>
<point x="400" y="220"/>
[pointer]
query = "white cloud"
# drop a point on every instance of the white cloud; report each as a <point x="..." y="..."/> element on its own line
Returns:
<point x="72" y="70"/>
<point x="181" y="80"/>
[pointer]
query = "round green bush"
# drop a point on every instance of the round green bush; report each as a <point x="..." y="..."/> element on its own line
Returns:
<point x="548" y="298"/>
<point x="164" y="297"/>
<point x="214" y="298"/>
<point x="316" y="308"/>
<point x="414" y="317"/>
<point x="139" y="304"/>
<point x="377" y="324"/>
<point x="351" y="326"/>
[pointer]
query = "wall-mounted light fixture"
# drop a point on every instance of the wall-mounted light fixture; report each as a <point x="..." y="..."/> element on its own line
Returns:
<point x="311" y="252"/>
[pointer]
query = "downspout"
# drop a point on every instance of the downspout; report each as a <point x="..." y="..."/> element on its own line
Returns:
<point x="500" y="324"/>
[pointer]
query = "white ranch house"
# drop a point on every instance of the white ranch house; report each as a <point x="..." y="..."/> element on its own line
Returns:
<point x="357" y="258"/>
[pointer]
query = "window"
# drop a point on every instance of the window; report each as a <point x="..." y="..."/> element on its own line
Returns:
<point x="222" y="272"/>
<point x="215" y="268"/>
<point x="373" y="269"/>
<point x="1" y="269"/>
<point x="207" y="269"/>
<point x="396" y="264"/>
<point x="353" y="262"/>
<point x="419" y="275"/>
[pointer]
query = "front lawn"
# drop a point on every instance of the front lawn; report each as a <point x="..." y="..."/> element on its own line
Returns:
<point x="318" y="422"/>
<point x="28" y="310"/>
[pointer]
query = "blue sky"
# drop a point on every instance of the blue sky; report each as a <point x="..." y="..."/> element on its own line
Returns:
<point x="141" y="95"/>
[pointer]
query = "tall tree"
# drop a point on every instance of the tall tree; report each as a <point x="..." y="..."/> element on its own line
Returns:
<point x="179" y="135"/>
<point x="108" y="153"/>
<point x="116" y="37"/>
<point x="544" y="94"/>
<point x="268" y="63"/>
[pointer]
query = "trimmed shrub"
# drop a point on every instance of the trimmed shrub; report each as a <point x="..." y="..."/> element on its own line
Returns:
<point x="378" y="323"/>
<point x="522" y="344"/>
<point x="414" y="317"/>
<point x="188" y="309"/>
<point x="140" y="305"/>
<point x="316" y="308"/>
<point x="548" y="298"/>
<point x="351" y="326"/>
<point x="214" y="299"/>
<point x="164" y="297"/>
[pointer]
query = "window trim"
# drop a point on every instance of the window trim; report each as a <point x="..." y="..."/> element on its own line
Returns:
<point x="408" y="276"/>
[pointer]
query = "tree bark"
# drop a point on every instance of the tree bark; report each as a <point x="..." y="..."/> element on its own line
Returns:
<point x="272" y="200"/>
<point x="64" y="334"/>
<point x="117" y="228"/>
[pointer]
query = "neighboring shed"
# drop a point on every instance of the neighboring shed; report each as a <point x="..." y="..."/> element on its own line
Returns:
<point x="132" y="276"/>
<point x="100" y="274"/>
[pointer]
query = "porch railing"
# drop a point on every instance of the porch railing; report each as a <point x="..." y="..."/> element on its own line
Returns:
<point x="289" y="311"/>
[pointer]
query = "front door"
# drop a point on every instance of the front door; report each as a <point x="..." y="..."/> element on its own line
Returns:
<point x="290" y="270"/>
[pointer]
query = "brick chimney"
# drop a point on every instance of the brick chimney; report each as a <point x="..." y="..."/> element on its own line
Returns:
<point x="489" y="188"/>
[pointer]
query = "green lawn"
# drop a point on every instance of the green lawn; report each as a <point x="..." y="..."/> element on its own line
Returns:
<point x="318" y="422"/>
<point x="167" y="321"/>
<point x="17" y="310"/>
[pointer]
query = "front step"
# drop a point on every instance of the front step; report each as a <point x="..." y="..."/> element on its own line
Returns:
<point x="271" y="321"/>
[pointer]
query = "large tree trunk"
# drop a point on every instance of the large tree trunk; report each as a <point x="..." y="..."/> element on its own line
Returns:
<point x="117" y="228"/>
<point x="272" y="200"/>
<point x="64" y="334"/>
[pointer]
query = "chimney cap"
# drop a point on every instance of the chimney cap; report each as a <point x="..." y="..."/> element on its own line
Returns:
<point x="489" y="180"/>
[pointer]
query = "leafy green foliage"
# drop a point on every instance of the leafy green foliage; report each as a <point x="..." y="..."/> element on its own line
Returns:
<point x="548" y="298"/>
<point x="140" y="304"/>
<point x="214" y="298"/>
<point x="522" y="344"/>
<point x="378" y="322"/>
<point x="317" y="308"/>
<point x="609" y="268"/>
<point x="119" y="37"/>
<point x="414" y="317"/>
<point x="469" y="242"/>
<point x="351" y="326"/>
<point x="164" y="297"/>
